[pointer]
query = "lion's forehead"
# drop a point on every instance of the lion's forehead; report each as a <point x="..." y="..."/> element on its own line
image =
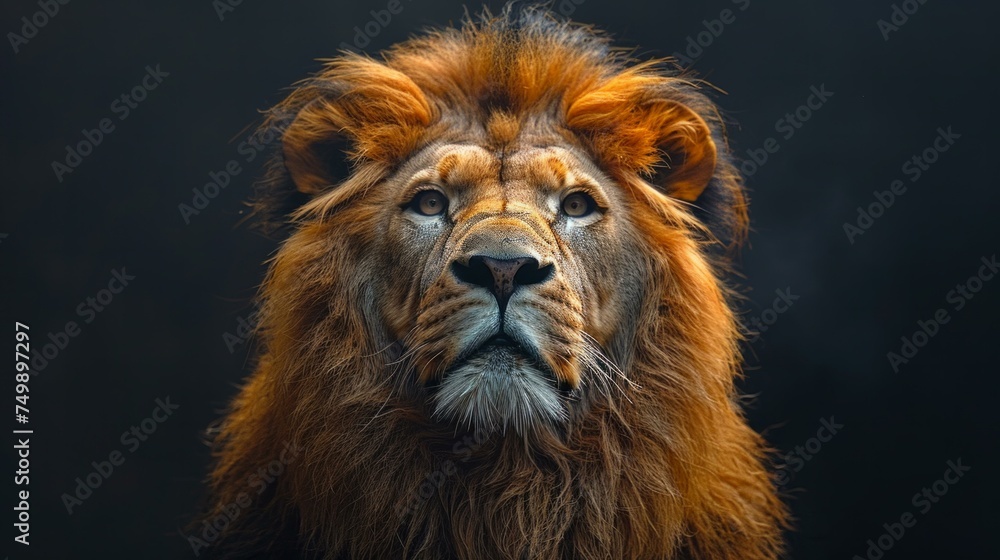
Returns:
<point x="533" y="169"/>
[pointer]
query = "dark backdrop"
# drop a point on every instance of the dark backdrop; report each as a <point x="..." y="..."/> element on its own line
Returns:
<point x="822" y="360"/>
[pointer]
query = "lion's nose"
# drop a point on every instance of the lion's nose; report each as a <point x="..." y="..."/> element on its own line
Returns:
<point x="501" y="276"/>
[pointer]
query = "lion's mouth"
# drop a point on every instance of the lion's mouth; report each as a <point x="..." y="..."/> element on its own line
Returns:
<point x="499" y="342"/>
<point x="500" y="384"/>
<point x="506" y="345"/>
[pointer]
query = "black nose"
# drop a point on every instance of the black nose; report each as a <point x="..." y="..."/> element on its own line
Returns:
<point x="501" y="276"/>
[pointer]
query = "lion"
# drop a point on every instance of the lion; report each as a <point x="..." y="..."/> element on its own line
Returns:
<point x="500" y="325"/>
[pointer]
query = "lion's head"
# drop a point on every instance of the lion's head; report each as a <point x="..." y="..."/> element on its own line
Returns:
<point x="522" y="249"/>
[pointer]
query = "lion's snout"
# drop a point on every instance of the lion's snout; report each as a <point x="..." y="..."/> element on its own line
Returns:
<point x="502" y="253"/>
<point x="502" y="276"/>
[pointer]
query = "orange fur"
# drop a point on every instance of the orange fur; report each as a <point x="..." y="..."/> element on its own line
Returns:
<point x="669" y="470"/>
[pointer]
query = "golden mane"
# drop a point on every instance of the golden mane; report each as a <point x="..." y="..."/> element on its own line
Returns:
<point x="671" y="472"/>
<point x="635" y="118"/>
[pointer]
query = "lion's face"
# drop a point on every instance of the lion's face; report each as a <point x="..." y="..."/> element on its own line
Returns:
<point x="506" y="277"/>
<point x="506" y="239"/>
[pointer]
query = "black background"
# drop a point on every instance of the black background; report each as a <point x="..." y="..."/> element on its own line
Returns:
<point x="825" y="357"/>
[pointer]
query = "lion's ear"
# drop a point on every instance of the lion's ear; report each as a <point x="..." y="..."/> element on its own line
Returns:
<point x="662" y="130"/>
<point x="355" y="111"/>
<point x="689" y="152"/>
<point x="315" y="148"/>
<point x="694" y="165"/>
<point x="639" y="123"/>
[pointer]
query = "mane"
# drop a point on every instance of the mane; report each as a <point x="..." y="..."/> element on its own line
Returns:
<point x="674" y="472"/>
<point x="525" y="62"/>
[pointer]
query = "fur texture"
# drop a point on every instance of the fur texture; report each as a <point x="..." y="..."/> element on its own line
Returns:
<point x="629" y="341"/>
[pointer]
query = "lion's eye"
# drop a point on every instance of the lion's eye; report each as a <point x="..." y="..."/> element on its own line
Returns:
<point x="578" y="205"/>
<point x="429" y="203"/>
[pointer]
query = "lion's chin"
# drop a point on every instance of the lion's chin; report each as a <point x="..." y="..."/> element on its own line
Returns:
<point x="499" y="388"/>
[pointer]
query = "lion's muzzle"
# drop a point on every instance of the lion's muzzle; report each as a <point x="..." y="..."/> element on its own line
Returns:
<point x="501" y="276"/>
<point x="504" y="285"/>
